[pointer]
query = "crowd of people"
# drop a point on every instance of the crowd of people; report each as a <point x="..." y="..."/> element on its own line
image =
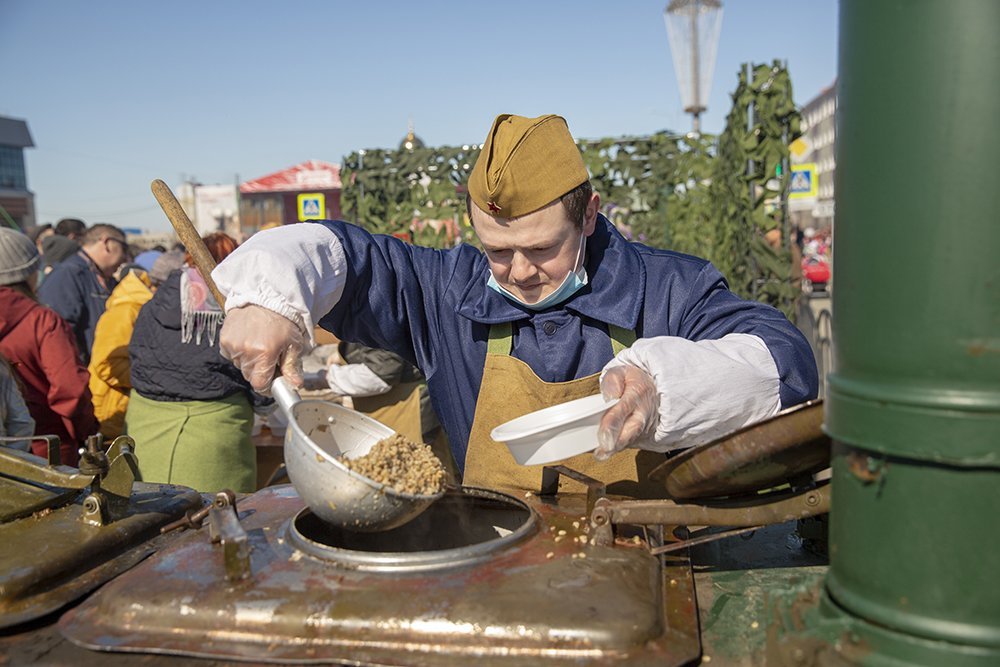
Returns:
<point x="97" y="336"/>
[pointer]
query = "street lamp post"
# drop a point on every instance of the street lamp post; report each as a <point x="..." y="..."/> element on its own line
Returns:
<point x="693" y="28"/>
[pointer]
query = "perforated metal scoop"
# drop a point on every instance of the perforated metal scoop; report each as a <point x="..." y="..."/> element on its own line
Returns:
<point x="319" y="433"/>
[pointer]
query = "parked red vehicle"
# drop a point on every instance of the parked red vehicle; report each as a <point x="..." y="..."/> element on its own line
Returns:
<point x="815" y="274"/>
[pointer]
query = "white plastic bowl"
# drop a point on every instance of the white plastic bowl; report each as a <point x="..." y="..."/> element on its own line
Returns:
<point x="554" y="433"/>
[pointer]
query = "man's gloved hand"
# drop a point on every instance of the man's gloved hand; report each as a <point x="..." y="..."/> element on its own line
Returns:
<point x="257" y="340"/>
<point x="635" y="415"/>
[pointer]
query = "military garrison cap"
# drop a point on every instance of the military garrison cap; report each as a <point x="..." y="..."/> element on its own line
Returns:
<point x="525" y="164"/>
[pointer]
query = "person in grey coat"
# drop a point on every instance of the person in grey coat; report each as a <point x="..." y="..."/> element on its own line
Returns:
<point x="15" y="420"/>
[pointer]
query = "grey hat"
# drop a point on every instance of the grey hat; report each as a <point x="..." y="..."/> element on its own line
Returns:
<point x="18" y="257"/>
<point x="164" y="265"/>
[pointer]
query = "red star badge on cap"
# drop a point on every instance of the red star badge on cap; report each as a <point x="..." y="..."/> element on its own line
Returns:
<point x="493" y="207"/>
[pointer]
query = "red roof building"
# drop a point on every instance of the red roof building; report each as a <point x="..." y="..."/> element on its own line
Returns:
<point x="273" y="199"/>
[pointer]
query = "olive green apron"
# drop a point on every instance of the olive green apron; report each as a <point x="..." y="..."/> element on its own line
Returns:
<point x="205" y="445"/>
<point x="511" y="389"/>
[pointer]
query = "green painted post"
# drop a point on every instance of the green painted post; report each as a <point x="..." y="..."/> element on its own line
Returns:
<point x="914" y="401"/>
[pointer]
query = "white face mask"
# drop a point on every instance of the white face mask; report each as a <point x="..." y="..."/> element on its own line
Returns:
<point x="571" y="284"/>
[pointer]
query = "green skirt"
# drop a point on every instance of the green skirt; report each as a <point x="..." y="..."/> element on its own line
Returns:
<point x="204" y="445"/>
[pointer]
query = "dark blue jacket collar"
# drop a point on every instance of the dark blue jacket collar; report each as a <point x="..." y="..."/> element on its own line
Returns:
<point x="613" y="294"/>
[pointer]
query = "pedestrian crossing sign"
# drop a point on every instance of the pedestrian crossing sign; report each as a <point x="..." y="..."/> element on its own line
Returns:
<point x="803" y="182"/>
<point x="312" y="206"/>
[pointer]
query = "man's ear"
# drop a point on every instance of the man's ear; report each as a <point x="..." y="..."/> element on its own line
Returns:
<point x="590" y="214"/>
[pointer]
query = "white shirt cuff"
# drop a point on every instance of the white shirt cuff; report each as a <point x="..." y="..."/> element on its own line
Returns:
<point x="707" y="388"/>
<point x="297" y="271"/>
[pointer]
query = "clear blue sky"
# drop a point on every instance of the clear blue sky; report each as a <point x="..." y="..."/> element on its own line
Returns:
<point x="119" y="92"/>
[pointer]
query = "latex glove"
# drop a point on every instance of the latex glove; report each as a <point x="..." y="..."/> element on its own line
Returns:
<point x="634" y="416"/>
<point x="258" y="341"/>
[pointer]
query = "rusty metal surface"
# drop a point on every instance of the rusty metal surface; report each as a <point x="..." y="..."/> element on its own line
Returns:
<point x="551" y="597"/>
<point x="766" y="509"/>
<point x="29" y="483"/>
<point x="40" y="643"/>
<point x="226" y="532"/>
<point x="550" y="484"/>
<point x="30" y="468"/>
<point x="766" y="454"/>
<point x="54" y="556"/>
<point x="19" y="499"/>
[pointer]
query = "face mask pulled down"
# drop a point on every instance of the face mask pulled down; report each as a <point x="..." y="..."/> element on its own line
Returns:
<point x="570" y="285"/>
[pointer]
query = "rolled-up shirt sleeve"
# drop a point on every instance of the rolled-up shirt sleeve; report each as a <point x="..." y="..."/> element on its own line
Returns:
<point x="297" y="271"/>
<point x="707" y="388"/>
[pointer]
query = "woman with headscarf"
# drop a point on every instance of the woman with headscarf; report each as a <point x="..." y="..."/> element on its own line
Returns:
<point x="41" y="348"/>
<point x="190" y="411"/>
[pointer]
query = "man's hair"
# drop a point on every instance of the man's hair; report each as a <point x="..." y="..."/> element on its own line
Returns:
<point x="70" y="227"/>
<point x="35" y="232"/>
<point x="100" y="231"/>
<point x="575" y="202"/>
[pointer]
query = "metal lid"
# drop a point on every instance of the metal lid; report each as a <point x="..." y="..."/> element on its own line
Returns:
<point x="761" y="456"/>
<point x="465" y="526"/>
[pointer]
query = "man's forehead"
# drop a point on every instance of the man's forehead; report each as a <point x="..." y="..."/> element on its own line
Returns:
<point x="536" y="228"/>
<point x="552" y="212"/>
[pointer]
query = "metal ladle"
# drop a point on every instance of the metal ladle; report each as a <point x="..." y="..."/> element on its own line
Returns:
<point x="319" y="432"/>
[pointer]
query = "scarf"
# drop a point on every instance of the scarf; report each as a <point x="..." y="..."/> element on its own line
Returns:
<point x="200" y="314"/>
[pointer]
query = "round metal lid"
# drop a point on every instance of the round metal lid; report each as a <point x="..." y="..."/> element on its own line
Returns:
<point x="760" y="456"/>
<point x="465" y="526"/>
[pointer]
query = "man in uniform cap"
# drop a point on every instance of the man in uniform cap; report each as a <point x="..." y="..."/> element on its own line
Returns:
<point x="558" y="305"/>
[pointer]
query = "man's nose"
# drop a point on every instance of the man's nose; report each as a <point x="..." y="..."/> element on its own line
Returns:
<point x="521" y="269"/>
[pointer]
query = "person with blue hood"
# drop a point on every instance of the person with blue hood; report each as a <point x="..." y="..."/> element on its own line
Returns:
<point x="556" y="306"/>
<point x="147" y="259"/>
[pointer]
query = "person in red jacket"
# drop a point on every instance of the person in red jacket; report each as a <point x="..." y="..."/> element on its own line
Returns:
<point x="41" y="348"/>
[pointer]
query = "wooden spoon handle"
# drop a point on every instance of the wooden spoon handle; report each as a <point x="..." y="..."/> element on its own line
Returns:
<point x="188" y="235"/>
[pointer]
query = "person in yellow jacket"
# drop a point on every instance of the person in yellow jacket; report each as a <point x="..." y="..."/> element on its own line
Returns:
<point x="109" y="362"/>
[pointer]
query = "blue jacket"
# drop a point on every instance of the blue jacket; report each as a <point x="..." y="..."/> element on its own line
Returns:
<point x="75" y="292"/>
<point x="433" y="307"/>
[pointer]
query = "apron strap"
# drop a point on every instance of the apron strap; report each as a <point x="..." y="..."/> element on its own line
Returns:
<point x="620" y="338"/>
<point x="502" y="338"/>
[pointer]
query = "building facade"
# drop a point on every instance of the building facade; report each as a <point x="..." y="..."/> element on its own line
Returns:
<point x="17" y="203"/>
<point x="816" y="148"/>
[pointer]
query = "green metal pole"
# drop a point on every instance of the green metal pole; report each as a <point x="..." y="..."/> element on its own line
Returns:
<point x="9" y="220"/>
<point x="914" y="401"/>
